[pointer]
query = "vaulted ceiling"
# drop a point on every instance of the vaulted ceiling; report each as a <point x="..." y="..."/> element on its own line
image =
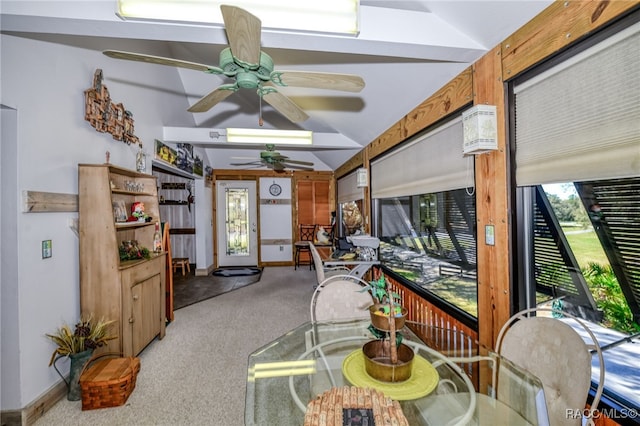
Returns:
<point x="405" y="51"/>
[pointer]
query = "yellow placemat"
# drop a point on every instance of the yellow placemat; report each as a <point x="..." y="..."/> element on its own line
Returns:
<point x="424" y="378"/>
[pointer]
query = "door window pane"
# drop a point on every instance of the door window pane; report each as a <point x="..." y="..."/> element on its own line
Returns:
<point x="237" y="226"/>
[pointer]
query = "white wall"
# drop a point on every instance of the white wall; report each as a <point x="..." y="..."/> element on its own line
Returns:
<point x="45" y="84"/>
<point x="275" y="221"/>
<point x="9" y="334"/>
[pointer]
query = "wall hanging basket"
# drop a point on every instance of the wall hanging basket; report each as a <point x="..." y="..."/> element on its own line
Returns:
<point x="108" y="382"/>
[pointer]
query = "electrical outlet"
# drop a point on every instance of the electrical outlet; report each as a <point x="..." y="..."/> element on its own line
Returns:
<point x="47" y="251"/>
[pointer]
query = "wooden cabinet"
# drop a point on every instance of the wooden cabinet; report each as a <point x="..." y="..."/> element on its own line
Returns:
<point x="130" y="292"/>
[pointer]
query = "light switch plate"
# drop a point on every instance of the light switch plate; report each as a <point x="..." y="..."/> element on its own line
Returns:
<point x="47" y="251"/>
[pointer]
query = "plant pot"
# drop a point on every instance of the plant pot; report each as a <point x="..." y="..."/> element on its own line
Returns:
<point x="381" y="321"/>
<point x="78" y="361"/>
<point x="377" y="361"/>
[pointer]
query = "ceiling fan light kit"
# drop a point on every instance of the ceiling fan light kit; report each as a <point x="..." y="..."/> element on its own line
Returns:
<point x="250" y="67"/>
<point x="327" y="16"/>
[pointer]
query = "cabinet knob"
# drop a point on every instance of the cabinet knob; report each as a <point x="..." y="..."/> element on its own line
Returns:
<point x="131" y="320"/>
<point x="136" y="297"/>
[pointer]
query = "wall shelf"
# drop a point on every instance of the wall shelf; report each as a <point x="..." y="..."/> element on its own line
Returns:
<point x="173" y="170"/>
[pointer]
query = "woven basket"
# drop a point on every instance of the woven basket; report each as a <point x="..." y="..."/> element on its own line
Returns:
<point x="108" y="382"/>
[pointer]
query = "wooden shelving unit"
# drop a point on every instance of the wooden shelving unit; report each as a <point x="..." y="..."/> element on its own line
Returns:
<point x="131" y="292"/>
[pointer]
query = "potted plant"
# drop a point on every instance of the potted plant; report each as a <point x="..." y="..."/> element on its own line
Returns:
<point x="387" y="359"/>
<point x="78" y="345"/>
<point x="380" y="310"/>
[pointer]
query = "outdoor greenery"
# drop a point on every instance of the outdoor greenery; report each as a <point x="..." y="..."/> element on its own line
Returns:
<point x="609" y="298"/>
<point x="594" y="264"/>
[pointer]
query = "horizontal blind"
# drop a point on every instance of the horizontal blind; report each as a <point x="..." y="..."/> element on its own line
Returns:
<point x="581" y="119"/>
<point x="432" y="162"/>
<point x="348" y="189"/>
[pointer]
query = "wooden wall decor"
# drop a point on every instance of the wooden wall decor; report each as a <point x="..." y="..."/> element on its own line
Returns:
<point x="106" y="116"/>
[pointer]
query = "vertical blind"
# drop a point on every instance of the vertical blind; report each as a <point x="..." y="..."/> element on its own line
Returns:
<point x="348" y="189"/>
<point x="580" y="120"/>
<point x="428" y="163"/>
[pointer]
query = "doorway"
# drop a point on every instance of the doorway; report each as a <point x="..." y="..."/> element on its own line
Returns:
<point x="237" y="223"/>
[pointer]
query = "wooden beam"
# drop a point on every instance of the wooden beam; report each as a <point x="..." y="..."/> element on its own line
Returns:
<point x="556" y="27"/>
<point x="44" y="202"/>
<point x="491" y="177"/>
<point x="451" y="97"/>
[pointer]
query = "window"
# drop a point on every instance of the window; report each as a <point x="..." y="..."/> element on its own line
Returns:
<point x="577" y="130"/>
<point x="429" y="240"/>
<point x="585" y="246"/>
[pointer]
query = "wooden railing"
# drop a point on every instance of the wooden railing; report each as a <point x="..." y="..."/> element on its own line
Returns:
<point x="436" y="328"/>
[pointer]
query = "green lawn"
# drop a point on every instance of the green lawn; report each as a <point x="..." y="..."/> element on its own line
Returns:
<point x="586" y="248"/>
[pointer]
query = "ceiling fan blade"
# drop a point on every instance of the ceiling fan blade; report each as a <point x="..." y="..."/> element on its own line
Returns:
<point x="318" y="80"/>
<point x="284" y="106"/>
<point x="302" y="163"/>
<point x="117" y="54"/>
<point x="243" y="31"/>
<point x="208" y="101"/>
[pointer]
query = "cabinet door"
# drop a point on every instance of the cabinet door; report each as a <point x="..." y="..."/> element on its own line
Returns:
<point x="145" y="311"/>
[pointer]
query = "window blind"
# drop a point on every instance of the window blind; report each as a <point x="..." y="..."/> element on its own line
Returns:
<point x="348" y="189"/>
<point x="432" y="162"/>
<point x="581" y="119"/>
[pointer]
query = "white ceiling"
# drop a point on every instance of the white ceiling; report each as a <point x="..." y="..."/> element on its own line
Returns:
<point x="406" y="50"/>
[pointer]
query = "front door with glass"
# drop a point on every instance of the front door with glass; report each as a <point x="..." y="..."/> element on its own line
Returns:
<point x="236" y="223"/>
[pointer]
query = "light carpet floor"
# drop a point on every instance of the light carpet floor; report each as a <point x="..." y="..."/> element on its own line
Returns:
<point x="197" y="374"/>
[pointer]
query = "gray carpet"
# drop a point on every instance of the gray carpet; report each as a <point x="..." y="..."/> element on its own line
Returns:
<point x="197" y="374"/>
<point x="190" y="289"/>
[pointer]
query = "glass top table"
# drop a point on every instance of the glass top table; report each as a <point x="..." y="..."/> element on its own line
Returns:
<point x="286" y="374"/>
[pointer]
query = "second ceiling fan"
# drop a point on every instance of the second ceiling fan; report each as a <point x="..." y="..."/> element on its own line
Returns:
<point x="276" y="161"/>
<point x="251" y="68"/>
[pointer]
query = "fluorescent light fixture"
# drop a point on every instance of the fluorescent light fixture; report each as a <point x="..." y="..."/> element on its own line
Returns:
<point x="325" y="16"/>
<point x="267" y="136"/>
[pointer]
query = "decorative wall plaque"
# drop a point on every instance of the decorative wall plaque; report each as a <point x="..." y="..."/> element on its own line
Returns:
<point x="106" y="116"/>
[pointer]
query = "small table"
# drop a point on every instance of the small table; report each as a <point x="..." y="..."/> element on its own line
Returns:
<point x="284" y="375"/>
<point x="358" y="267"/>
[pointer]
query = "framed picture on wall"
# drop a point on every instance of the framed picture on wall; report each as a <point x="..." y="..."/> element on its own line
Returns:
<point x="184" y="159"/>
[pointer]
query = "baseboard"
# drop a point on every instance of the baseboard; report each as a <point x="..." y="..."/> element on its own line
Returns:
<point x="204" y="272"/>
<point x="36" y="409"/>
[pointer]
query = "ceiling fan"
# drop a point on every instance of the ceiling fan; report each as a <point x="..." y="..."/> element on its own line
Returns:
<point x="276" y="161"/>
<point x="251" y="68"/>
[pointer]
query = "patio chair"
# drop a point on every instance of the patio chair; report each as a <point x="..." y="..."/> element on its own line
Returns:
<point x="323" y="272"/>
<point x="341" y="298"/>
<point x="558" y="355"/>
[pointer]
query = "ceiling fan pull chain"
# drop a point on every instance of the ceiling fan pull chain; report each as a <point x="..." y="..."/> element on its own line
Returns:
<point x="260" y="121"/>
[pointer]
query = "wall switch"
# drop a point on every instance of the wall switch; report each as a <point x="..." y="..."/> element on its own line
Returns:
<point x="47" y="251"/>
<point x="489" y="235"/>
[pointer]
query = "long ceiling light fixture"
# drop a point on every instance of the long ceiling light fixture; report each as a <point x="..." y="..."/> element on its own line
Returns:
<point x="324" y="16"/>
<point x="268" y="136"/>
